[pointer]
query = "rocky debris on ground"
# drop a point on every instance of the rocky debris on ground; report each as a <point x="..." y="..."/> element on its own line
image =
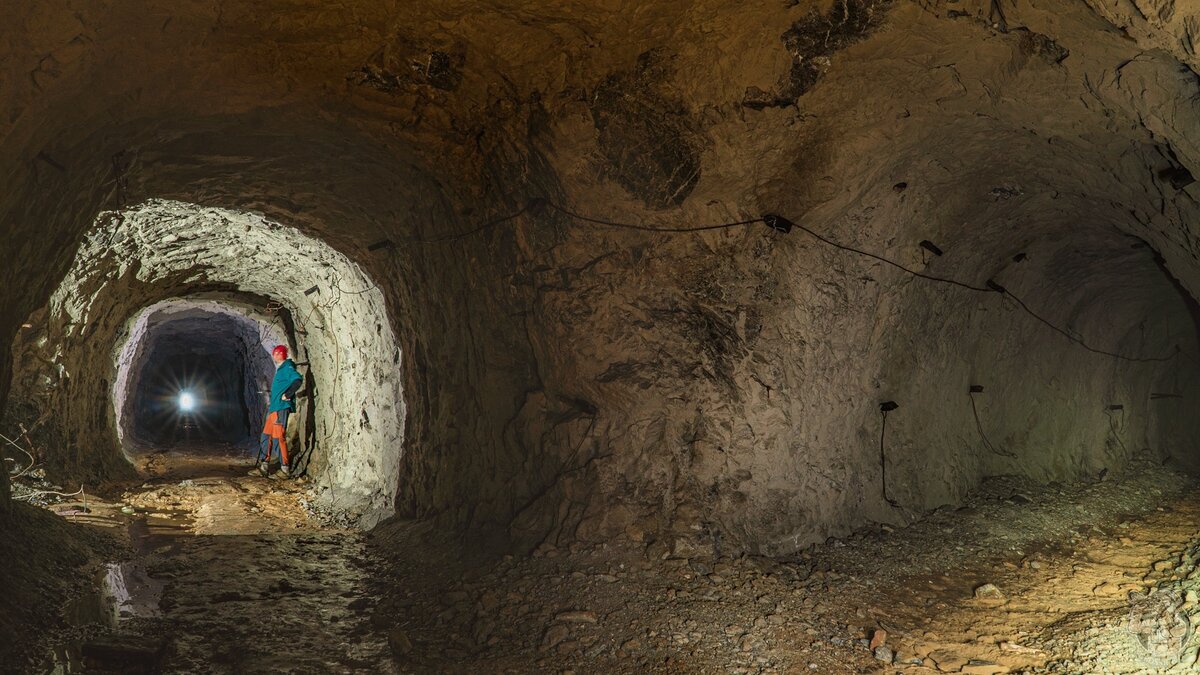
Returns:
<point x="851" y="605"/>
<point x="417" y="599"/>
<point x="988" y="592"/>
<point x="1154" y="629"/>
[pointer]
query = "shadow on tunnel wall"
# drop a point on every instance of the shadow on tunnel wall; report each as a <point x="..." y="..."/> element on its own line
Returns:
<point x="1177" y="397"/>
<point x="302" y="438"/>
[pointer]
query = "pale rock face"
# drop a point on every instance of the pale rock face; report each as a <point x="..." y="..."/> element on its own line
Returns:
<point x="709" y="392"/>
<point x="342" y="334"/>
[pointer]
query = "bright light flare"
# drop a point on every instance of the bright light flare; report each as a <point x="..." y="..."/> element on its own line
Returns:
<point x="187" y="403"/>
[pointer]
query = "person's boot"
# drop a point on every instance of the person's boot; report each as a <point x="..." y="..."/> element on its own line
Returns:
<point x="283" y="474"/>
<point x="260" y="470"/>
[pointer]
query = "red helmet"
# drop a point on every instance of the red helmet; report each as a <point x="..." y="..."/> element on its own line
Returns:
<point x="279" y="351"/>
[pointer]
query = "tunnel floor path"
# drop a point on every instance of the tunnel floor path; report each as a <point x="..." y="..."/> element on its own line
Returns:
<point x="231" y="574"/>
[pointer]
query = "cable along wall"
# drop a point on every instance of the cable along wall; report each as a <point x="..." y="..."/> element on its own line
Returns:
<point x="166" y="249"/>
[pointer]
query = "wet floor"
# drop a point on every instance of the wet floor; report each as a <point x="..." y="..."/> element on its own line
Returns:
<point x="228" y="575"/>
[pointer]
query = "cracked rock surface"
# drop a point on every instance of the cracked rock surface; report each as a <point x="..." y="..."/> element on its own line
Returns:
<point x="559" y="380"/>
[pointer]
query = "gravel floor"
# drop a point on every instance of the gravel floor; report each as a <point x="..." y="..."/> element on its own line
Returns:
<point x="911" y="599"/>
<point x="231" y="573"/>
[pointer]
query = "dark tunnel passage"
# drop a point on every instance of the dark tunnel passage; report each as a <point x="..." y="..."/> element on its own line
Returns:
<point x="199" y="377"/>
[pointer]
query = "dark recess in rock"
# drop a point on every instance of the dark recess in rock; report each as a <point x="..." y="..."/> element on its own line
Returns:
<point x="443" y="71"/>
<point x="376" y="78"/>
<point x="812" y="40"/>
<point x="1004" y="192"/>
<point x="1178" y="176"/>
<point x="1042" y="46"/>
<point x="387" y="71"/>
<point x="757" y="99"/>
<point x="709" y="340"/>
<point x="644" y="137"/>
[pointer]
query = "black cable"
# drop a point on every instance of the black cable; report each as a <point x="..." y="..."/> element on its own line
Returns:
<point x="990" y="288"/>
<point x="489" y="225"/>
<point x="883" y="464"/>
<point x="897" y="265"/>
<point x="273" y="308"/>
<point x="337" y="283"/>
<point x="979" y="426"/>
<point x="648" y="228"/>
<point x="1113" y="427"/>
<point x="537" y="203"/>
<point x="500" y="220"/>
<point x="1080" y="342"/>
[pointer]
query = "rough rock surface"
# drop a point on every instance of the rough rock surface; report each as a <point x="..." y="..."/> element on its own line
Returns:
<point x="718" y="391"/>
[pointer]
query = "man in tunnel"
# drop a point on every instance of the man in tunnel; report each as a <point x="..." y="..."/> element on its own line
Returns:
<point x="283" y="393"/>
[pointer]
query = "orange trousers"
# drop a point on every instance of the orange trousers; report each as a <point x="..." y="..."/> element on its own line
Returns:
<point x="274" y="433"/>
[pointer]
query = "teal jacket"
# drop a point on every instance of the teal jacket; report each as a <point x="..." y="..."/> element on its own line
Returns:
<point x="287" y="381"/>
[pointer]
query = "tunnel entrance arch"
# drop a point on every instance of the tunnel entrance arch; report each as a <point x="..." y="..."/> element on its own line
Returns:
<point x="167" y="263"/>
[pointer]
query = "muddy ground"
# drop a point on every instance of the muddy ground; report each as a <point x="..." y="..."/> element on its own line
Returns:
<point x="202" y="568"/>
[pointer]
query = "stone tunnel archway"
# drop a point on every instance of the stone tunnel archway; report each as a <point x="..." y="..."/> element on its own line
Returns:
<point x="129" y="276"/>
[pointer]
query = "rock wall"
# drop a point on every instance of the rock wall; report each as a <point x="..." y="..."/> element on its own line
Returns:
<point x="710" y="391"/>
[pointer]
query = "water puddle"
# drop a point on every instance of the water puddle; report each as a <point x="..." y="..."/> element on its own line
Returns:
<point x="124" y="591"/>
<point x="210" y="557"/>
<point x="92" y="612"/>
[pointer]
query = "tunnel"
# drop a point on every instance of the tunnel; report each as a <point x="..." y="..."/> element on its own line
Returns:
<point x="169" y="298"/>
<point x="806" y="336"/>
<point x="194" y="371"/>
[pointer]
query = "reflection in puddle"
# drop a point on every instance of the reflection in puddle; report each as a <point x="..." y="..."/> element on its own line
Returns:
<point x="135" y="593"/>
<point x="123" y="591"/>
<point x="210" y="557"/>
<point x="95" y="609"/>
<point x="65" y="659"/>
<point x="100" y="609"/>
